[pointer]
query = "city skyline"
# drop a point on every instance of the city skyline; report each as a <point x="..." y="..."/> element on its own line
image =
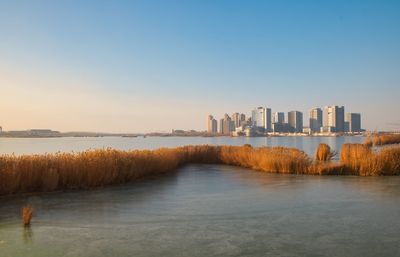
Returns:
<point x="146" y="66"/>
<point x="328" y="119"/>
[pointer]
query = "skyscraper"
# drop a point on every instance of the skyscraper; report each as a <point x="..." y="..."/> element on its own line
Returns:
<point x="261" y="117"/>
<point x="278" y="117"/>
<point x="353" y="122"/>
<point x="295" y="120"/>
<point x="211" y="124"/>
<point x="258" y="117"/>
<point x="268" y="125"/>
<point x="242" y="119"/>
<point x="226" y="125"/>
<point x="315" y="119"/>
<point x="221" y="126"/>
<point x="334" y="118"/>
<point x="236" y="118"/>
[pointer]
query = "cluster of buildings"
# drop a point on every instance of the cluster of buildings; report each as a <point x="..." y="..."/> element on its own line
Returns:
<point x="330" y="119"/>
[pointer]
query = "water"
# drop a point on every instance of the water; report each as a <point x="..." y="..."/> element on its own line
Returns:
<point x="68" y="144"/>
<point x="208" y="210"/>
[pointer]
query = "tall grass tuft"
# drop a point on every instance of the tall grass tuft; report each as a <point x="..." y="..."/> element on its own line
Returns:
<point x="324" y="153"/>
<point x="354" y="152"/>
<point x="26" y="214"/>
<point x="360" y="160"/>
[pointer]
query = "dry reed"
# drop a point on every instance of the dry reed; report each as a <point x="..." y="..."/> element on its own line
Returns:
<point x="328" y="168"/>
<point x="324" y="153"/>
<point x="97" y="168"/>
<point x="360" y="160"/>
<point x="369" y="141"/>
<point x="275" y="159"/>
<point x="383" y="139"/>
<point x="26" y="214"/>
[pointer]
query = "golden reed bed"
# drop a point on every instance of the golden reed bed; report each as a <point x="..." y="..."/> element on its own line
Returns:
<point x="382" y="139"/>
<point x="97" y="168"/>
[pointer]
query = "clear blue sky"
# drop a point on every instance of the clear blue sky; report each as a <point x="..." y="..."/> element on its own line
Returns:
<point x="157" y="65"/>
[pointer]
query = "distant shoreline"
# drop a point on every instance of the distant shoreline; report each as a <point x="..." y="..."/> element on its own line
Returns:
<point x="49" y="133"/>
<point x="62" y="135"/>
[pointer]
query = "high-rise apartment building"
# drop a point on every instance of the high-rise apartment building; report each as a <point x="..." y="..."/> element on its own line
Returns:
<point x="353" y="122"/>
<point x="238" y="119"/>
<point x="211" y="124"/>
<point x="315" y="119"/>
<point x="248" y="122"/>
<point x="261" y="117"/>
<point x="334" y="118"/>
<point x="258" y="117"/>
<point x="221" y="126"/>
<point x="226" y="125"/>
<point x="242" y="119"/>
<point x="278" y="117"/>
<point x="280" y="127"/>
<point x="268" y="125"/>
<point x="295" y="120"/>
<point x="278" y="123"/>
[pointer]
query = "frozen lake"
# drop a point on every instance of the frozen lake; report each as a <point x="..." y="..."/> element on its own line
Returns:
<point x="208" y="210"/>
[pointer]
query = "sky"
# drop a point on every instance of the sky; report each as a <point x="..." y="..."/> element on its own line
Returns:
<point x="140" y="66"/>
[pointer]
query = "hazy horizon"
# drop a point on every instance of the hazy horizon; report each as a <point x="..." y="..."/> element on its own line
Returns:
<point x="145" y="66"/>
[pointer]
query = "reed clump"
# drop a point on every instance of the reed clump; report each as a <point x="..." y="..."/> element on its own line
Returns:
<point x="353" y="152"/>
<point x="359" y="159"/>
<point x="269" y="159"/>
<point x="369" y="141"/>
<point x="383" y="139"/>
<point x="328" y="168"/>
<point x="97" y="168"/>
<point x="324" y="153"/>
<point x="27" y="213"/>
